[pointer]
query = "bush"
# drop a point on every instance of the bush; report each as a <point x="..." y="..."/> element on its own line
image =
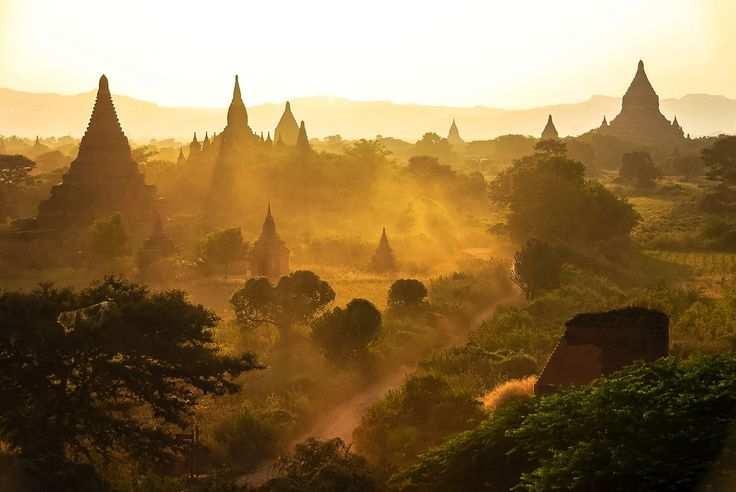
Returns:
<point x="406" y="292"/>
<point x="511" y="391"/>
<point x="423" y="412"/>
<point x="638" y="169"/>
<point x="537" y="266"/>
<point x="659" y="426"/>
<point x="325" y="466"/>
<point x="344" y="334"/>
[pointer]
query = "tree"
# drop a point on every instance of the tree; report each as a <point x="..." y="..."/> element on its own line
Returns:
<point x="88" y="375"/>
<point x="548" y="197"/>
<point x="720" y="159"/>
<point x="297" y="298"/>
<point x="537" y="266"/>
<point x="344" y="334"/>
<point x="406" y="292"/>
<point x="638" y="169"/>
<point x="325" y="466"/>
<point x="687" y="166"/>
<point x="659" y="426"/>
<point x="14" y="173"/>
<point x="433" y="145"/>
<point x="222" y="248"/>
<point x="108" y="239"/>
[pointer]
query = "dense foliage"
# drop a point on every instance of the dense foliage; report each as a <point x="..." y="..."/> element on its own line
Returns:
<point x="118" y="372"/>
<point x="649" y="427"/>
<point x="548" y="197"/>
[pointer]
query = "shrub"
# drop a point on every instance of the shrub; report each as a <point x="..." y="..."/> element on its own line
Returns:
<point x="508" y="392"/>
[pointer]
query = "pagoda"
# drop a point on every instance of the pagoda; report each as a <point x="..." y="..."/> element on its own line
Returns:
<point x="270" y="257"/>
<point x="287" y="130"/>
<point x="550" y="132"/>
<point x="102" y="180"/>
<point x="383" y="260"/>
<point x="640" y="120"/>
<point x="302" y="141"/>
<point x="234" y="146"/>
<point x="453" y="136"/>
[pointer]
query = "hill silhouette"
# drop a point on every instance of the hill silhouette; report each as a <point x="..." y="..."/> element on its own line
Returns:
<point x="29" y="114"/>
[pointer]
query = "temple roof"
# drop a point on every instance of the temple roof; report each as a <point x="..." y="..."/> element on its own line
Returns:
<point x="237" y="115"/>
<point x="549" y="132"/>
<point x="104" y="130"/>
<point x="268" y="231"/>
<point x="640" y="91"/>
<point x="302" y="141"/>
<point x="454" y="134"/>
<point x="287" y="129"/>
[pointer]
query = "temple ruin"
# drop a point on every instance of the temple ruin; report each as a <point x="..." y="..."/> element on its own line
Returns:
<point x="270" y="256"/>
<point x="598" y="344"/>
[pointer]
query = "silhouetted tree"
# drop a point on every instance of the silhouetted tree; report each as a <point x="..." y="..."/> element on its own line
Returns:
<point x="407" y="292"/>
<point x="297" y="298"/>
<point x="548" y="197"/>
<point x="107" y="370"/>
<point x="638" y="169"/>
<point x="344" y="334"/>
<point x="325" y="466"/>
<point x="108" y="239"/>
<point x="223" y="248"/>
<point x="720" y="159"/>
<point x="537" y="267"/>
<point x="14" y="172"/>
<point x="688" y="166"/>
<point x="433" y="145"/>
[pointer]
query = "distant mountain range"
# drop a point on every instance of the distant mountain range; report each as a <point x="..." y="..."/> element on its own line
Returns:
<point x="29" y="114"/>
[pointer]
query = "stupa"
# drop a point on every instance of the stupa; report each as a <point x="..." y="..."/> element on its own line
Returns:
<point x="287" y="130"/>
<point x="383" y="260"/>
<point x="102" y="180"/>
<point x="453" y="136"/>
<point x="640" y="120"/>
<point x="549" y="132"/>
<point x="270" y="257"/>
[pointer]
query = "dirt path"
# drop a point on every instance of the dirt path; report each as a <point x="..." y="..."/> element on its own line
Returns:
<point x="342" y="420"/>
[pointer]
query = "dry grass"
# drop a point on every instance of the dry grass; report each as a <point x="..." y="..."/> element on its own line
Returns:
<point x="511" y="390"/>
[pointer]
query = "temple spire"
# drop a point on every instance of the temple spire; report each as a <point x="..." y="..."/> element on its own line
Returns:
<point x="104" y="128"/>
<point x="287" y="130"/>
<point x="302" y="141"/>
<point x="549" y="132"/>
<point x="237" y="115"/>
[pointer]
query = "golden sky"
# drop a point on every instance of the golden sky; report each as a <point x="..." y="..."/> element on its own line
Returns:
<point x="500" y="53"/>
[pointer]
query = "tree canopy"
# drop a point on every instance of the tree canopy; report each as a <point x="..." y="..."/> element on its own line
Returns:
<point x="296" y="298"/>
<point x="660" y="426"/>
<point x="344" y="334"/>
<point x="110" y="369"/>
<point x="720" y="159"/>
<point x="548" y="197"/>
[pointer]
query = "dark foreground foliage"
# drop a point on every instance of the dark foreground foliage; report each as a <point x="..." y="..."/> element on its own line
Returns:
<point x="120" y="378"/>
<point x="662" y="426"/>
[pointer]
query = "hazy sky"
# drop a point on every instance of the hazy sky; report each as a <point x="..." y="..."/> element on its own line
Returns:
<point x="505" y="53"/>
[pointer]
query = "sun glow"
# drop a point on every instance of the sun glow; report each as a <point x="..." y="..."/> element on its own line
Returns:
<point x="506" y="54"/>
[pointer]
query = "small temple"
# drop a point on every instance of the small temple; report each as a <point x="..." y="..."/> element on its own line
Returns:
<point x="102" y="180"/>
<point x="640" y="120"/>
<point x="287" y="130"/>
<point x="302" y="141"/>
<point x="270" y="257"/>
<point x="453" y="136"/>
<point x="550" y="132"/>
<point x="383" y="259"/>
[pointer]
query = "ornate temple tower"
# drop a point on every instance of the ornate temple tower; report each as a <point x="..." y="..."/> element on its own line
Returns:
<point x="194" y="148"/>
<point x="383" y="260"/>
<point x="550" y="132"/>
<point x="302" y="141"/>
<point x="287" y="130"/>
<point x="270" y="257"/>
<point x="102" y="180"/>
<point x="640" y="120"/>
<point x="235" y="146"/>
<point x="453" y="136"/>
